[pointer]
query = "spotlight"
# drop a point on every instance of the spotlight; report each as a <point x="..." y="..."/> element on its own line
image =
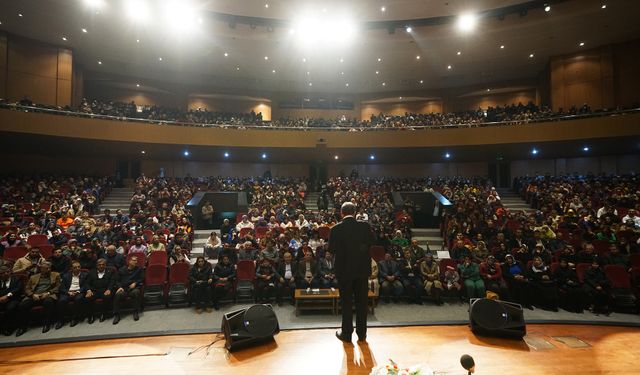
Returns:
<point x="143" y="152"/>
<point x="64" y="38"/>
<point x="372" y="157"/>
<point x="581" y="44"/>
<point x="459" y="53"/>
<point x="346" y="84"/>
<point x="547" y="8"/>
<point x="226" y="54"/>
<point x="313" y="29"/>
<point x="137" y="85"/>
<point x="226" y="154"/>
<point x="336" y="157"/>
<point x="137" y="10"/>
<point x="180" y="15"/>
<point x="310" y="84"/>
<point x="266" y="58"/>
<point x="447" y="155"/>
<point x="273" y="71"/>
<point x="467" y="22"/>
<point x="408" y="29"/>
<point x="99" y="62"/>
<point x="94" y="3"/>
<point x="377" y="72"/>
<point x="421" y="81"/>
<point x="384" y="83"/>
<point x="488" y="90"/>
<point x="585" y="148"/>
<point x="449" y="67"/>
<point x="383" y="9"/>
<point x="418" y="57"/>
<point x="266" y="6"/>
<point x="531" y="56"/>
<point x="379" y="59"/>
<point x="502" y="46"/>
<point x="604" y="6"/>
<point x="186" y="153"/>
<point x="534" y="151"/>
<point x="84" y="30"/>
<point x="264" y="156"/>
<point x="159" y="58"/>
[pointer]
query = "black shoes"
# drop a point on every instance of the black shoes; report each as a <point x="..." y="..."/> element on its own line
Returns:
<point x="20" y="331"/>
<point x="73" y="322"/>
<point x="102" y="318"/>
<point x="341" y="337"/>
<point x="136" y="317"/>
<point x="46" y="328"/>
<point x="91" y="319"/>
<point x="59" y="325"/>
<point x="116" y="319"/>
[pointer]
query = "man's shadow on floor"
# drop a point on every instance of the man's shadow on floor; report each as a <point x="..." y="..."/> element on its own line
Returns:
<point x="359" y="359"/>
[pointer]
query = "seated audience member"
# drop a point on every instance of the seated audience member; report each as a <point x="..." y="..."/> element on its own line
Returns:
<point x="72" y="292"/>
<point x="128" y="284"/>
<point x="287" y="269"/>
<point x="156" y="245"/>
<point x="244" y="223"/>
<point x="417" y="252"/>
<point x="572" y="294"/>
<point x="266" y="281"/>
<point x="307" y="276"/>
<point x="491" y="273"/>
<point x="11" y="292"/>
<point x="374" y="280"/>
<point x="225" y="231"/>
<point x="501" y="252"/>
<point x="58" y="239"/>
<point x="207" y="214"/>
<point x="29" y="263"/>
<point x="390" y="278"/>
<point x="201" y="283"/>
<point x="327" y="271"/>
<point x="114" y="259"/>
<point x="88" y="258"/>
<point x="41" y="290"/>
<point x="100" y="285"/>
<point x="451" y="280"/>
<point x="518" y="284"/>
<point x="523" y="255"/>
<point x="597" y="287"/>
<point x="229" y="252"/>
<point x="224" y="274"/>
<point x="616" y="258"/>
<point x="269" y="252"/>
<point x="587" y="255"/>
<point x="179" y="254"/>
<point x="544" y="288"/>
<point x="212" y="246"/>
<point x="470" y="274"/>
<point x="480" y="252"/>
<point x="459" y="251"/>
<point x="410" y="277"/>
<point x="138" y="247"/>
<point x="59" y="263"/>
<point x="430" y="271"/>
<point x="12" y="240"/>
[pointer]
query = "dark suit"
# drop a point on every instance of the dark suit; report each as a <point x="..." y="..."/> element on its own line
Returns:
<point x="10" y="306"/>
<point x="79" y="301"/>
<point x="98" y="286"/>
<point x="288" y="283"/>
<point x="350" y="241"/>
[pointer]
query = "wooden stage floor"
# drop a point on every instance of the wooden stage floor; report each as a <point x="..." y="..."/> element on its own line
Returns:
<point x="600" y="349"/>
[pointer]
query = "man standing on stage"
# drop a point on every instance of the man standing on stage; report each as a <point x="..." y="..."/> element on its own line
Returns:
<point x="350" y="241"/>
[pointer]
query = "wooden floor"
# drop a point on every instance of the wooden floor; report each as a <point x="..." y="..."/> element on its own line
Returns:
<point x="607" y="350"/>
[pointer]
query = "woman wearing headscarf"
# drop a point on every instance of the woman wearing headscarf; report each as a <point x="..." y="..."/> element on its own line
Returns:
<point x="470" y="274"/>
<point x="545" y="290"/>
<point x="200" y="279"/>
<point x="571" y="292"/>
<point x="519" y="288"/>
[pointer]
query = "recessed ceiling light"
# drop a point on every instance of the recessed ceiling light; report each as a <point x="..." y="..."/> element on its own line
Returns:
<point x="581" y="44"/>
<point x="383" y="9"/>
<point x="137" y="40"/>
<point x="449" y="67"/>
<point x="84" y="30"/>
<point x="336" y="157"/>
<point x="418" y="57"/>
<point x="585" y="148"/>
<point x="99" y="62"/>
<point x="379" y="59"/>
<point x="273" y="71"/>
<point x="19" y="14"/>
<point x="604" y="6"/>
<point x="159" y="58"/>
<point x="409" y="29"/>
<point x="304" y="59"/>
<point x="186" y="153"/>
<point x="143" y="152"/>
<point x="447" y="155"/>
<point x="372" y="157"/>
<point x="400" y="98"/>
<point x="547" y="8"/>
<point x="226" y="154"/>
<point x="310" y="84"/>
<point x="341" y="73"/>
<point x="266" y="57"/>
<point x="346" y="84"/>
<point x="488" y="90"/>
<point x="421" y="81"/>
<point x="237" y="68"/>
<point x="502" y="46"/>
<point x="531" y="56"/>
<point x="264" y="156"/>
<point x="377" y="72"/>
<point x="137" y="85"/>
<point x="459" y="53"/>
<point x="226" y="54"/>
<point x="266" y="6"/>
<point x="384" y="83"/>
<point x="341" y="59"/>
<point x="64" y="38"/>
<point x="534" y="152"/>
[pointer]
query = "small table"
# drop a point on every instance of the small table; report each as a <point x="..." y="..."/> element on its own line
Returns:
<point x="316" y="299"/>
<point x="371" y="301"/>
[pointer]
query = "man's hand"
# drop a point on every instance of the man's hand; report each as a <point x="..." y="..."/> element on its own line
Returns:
<point x="89" y="294"/>
<point x="107" y="292"/>
<point x="120" y="290"/>
<point x="132" y="285"/>
<point x="282" y="280"/>
<point x="36" y="297"/>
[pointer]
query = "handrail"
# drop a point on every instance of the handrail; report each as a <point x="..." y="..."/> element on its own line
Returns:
<point x="33" y="109"/>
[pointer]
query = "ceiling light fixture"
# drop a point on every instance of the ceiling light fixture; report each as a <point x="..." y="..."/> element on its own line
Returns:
<point x="449" y="67"/>
<point x="408" y="29"/>
<point x="99" y="62"/>
<point x="547" y="8"/>
<point x="467" y="22"/>
<point x="604" y="6"/>
<point x="226" y="54"/>
<point x="20" y="15"/>
<point x="379" y="59"/>
<point x="384" y="83"/>
<point x="226" y="154"/>
<point x="84" y="30"/>
<point x="143" y="152"/>
<point x="531" y="56"/>
<point x="159" y="58"/>
<point x="137" y="85"/>
<point x="64" y="38"/>
<point x="336" y="157"/>
<point x="383" y="9"/>
<point x="581" y="44"/>
<point x="266" y="6"/>
<point x="137" y="10"/>
<point x="421" y="81"/>
<point x="418" y="57"/>
<point x="459" y="53"/>
<point x="346" y="84"/>
<point x="266" y="57"/>
<point x="502" y="46"/>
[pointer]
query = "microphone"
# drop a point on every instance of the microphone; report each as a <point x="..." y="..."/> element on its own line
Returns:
<point x="467" y="363"/>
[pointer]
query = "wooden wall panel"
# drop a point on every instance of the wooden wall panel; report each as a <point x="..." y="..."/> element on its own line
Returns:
<point x="39" y="89"/>
<point x="94" y="90"/>
<point x="494" y="100"/>
<point x="627" y="73"/>
<point x="228" y="105"/>
<point x="32" y="58"/>
<point x="400" y="108"/>
<point x="3" y="65"/>
<point x="63" y="93"/>
<point x="294" y="113"/>
<point x="65" y="64"/>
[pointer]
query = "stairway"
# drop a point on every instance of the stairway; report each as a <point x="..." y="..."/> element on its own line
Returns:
<point x="513" y="202"/>
<point x="311" y="200"/>
<point x="428" y="235"/>
<point x="197" y="247"/>
<point x="118" y="198"/>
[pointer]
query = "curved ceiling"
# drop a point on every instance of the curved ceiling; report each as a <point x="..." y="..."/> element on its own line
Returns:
<point x="222" y="54"/>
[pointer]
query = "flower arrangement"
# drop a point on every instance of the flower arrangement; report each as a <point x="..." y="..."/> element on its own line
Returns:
<point x="393" y="368"/>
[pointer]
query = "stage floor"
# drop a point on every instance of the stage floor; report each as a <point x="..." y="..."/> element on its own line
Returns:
<point x="547" y="349"/>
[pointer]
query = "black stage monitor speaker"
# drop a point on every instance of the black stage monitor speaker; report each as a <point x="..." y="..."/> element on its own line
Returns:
<point x="246" y="327"/>
<point x="496" y="318"/>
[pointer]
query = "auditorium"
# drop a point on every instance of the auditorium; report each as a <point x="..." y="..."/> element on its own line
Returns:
<point x="377" y="187"/>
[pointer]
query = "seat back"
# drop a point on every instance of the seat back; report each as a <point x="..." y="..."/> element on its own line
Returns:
<point x="554" y="266"/>
<point x="37" y="240"/>
<point x="245" y="231"/>
<point x="155" y="274"/>
<point x="443" y="263"/>
<point x="261" y="232"/>
<point x="601" y="247"/>
<point x="246" y="270"/>
<point x="179" y="273"/>
<point x="324" y="231"/>
<point x="581" y="268"/>
<point x="46" y="250"/>
<point x="158" y="257"/>
<point x="14" y="252"/>
<point x="377" y="252"/>
<point x="618" y="276"/>
<point x="634" y="259"/>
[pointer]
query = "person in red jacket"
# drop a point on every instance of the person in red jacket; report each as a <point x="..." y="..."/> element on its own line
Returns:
<point x="491" y="273"/>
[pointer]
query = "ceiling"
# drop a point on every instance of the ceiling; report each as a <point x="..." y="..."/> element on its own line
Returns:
<point x="248" y="32"/>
